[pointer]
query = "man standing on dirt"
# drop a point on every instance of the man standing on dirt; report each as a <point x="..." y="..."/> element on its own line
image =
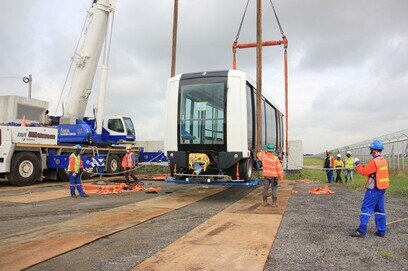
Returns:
<point x="328" y="167"/>
<point x="338" y="165"/>
<point x="272" y="171"/>
<point x="374" y="199"/>
<point x="128" y="164"/>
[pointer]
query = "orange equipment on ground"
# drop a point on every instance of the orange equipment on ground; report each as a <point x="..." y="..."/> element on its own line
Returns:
<point x="117" y="188"/>
<point x="325" y="190"/>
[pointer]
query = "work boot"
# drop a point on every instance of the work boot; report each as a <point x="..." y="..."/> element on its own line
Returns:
<point x="274" y="201"/>
<point x="357" y="233"/>
<point x="265" y="201"/>
<point x="74" y="196"/>
<point x="379" y="234"/>
<point x="84" y="196"/>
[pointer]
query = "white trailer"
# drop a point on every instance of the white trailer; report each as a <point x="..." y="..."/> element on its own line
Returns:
<point x="28" y="154"/>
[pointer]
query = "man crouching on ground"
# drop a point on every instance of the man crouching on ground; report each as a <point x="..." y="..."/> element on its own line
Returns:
<point x="272" y="171"/>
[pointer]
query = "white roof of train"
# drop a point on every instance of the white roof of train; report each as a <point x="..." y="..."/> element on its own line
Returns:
<point x="238" y="74"/>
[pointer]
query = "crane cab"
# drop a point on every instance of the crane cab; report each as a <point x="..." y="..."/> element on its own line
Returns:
<point x="115" y="129"/>
<point x="119" y="128"/>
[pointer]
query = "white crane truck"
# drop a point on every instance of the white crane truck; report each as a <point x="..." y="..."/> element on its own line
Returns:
<point x="37" y="151"/>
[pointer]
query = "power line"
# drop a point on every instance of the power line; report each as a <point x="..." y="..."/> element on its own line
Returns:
<point x="14" y="77"/>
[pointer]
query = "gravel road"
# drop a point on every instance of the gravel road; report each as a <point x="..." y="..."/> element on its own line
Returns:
<point x="125" y="249"/>
<point x="315" y="228"/>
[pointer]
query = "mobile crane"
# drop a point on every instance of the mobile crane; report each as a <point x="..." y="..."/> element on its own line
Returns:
<point x="31" y="153"/>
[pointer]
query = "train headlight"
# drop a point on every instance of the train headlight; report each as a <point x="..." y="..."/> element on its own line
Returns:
<point x="236" y="156"/>
<point x="171" y="154"/>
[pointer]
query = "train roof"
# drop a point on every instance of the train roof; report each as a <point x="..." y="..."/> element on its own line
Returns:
<point x="224" y="73"/>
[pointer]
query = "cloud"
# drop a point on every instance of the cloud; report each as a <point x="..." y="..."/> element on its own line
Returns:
<point x="347" y="59"/>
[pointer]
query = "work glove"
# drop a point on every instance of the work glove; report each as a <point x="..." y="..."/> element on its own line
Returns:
<point x="73" y="174"/>
<point x="357" y="161"/>
<point x="258" y="164"/>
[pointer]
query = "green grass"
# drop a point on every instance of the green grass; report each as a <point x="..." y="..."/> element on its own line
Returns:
<point x="385" y="254"/>
<point x="398" y="186"/>
<point x="152" y="169"/>
<point x="312" y="161"/>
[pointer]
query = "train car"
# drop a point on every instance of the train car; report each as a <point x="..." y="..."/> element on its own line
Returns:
<point x="211" y="125"/>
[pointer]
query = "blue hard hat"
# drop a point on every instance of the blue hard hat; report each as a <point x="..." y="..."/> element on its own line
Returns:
<point x="78" y="147"/>
<point x="376" y="145"/>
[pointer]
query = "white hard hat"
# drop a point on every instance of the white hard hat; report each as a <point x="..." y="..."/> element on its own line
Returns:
<point x="348" y="152"/>
<point x="339" y="155"/>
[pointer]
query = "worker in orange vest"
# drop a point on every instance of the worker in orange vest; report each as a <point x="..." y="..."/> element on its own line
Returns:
<point x="75" y="168"/>
<point x="377" y="183"/>
<point x="272" y="171"/>
<point x="129" y="163"/>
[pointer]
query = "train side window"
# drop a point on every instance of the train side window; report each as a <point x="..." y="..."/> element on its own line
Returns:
<point x="263" y="122"/>
<point x="269" y="131"/>
<point x="250" y="117"/>
<point x="273" y="128"/>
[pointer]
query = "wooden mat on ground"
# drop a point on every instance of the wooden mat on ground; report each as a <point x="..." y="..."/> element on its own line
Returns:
<point x="238" y="238"/>
<point x="37" y="196"/>
<point x="24" y="249"/>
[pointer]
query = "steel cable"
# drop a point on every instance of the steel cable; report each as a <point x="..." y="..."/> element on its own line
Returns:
<point x="242" y="21"/>
<point x="70" y="67"/>
<point x="277" y="19"/>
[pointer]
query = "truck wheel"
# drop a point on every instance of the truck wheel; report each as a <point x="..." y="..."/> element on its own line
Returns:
<point x="245" y="169"/>
<point x="25" y="169"/>
<point x="62" y="175"/>
<point x="113" y="164"/>
<point x="87" y="173"/>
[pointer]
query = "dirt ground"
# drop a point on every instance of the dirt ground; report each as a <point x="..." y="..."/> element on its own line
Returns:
<point x="314" y="234"/>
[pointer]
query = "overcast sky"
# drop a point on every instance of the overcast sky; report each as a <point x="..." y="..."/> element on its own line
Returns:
<point x="348" y="60"/>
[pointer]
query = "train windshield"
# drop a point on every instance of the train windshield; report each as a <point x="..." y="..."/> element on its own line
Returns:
<point x="202" y="111"/>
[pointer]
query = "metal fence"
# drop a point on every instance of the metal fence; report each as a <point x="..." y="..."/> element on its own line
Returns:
<point x="395" y="150"/>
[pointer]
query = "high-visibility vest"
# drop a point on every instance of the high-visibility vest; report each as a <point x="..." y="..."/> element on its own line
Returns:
<point x="271" y="165"/>
<point x="338" y="163"/>
<point x="349" y="162"/>
<point x="382" y="177"/>
<point x="129" y="160"/>
<point x="332" y="161"/>
<point x="75" y="163"/>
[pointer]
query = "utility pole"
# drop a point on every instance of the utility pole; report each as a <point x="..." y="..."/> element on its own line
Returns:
<point x="258" y="74"/>
<point x="28" y="80"/>
<point x="286" y="106"/>
<point x="174" y="43"/>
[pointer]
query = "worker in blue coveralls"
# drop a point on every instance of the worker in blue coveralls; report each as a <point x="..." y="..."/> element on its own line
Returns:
<point x="377" y="183"/>
<point x="328" y="167"/>
<point x="75" y="168"/>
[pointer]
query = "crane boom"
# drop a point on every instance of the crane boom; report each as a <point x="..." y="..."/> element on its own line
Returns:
<point x="87" y="59"/>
